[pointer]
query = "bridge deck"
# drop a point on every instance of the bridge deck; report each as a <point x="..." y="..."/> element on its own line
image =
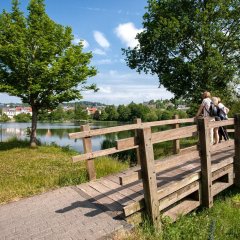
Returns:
<point x="112" y="196"/>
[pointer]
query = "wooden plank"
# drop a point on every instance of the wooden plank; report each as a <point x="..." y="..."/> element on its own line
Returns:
<point x="215" y="124"/>
<point x="162" y="165"/>
<point x="110" y="193"/>
<point x="206" y="181"/>
<point x="173" y="187"/>
<point x="237" y="150"/>
<point x="173" y="192"/>
<point x="149" y="175"/>
<point x="102" y="131"/>
<point x="182" y="208"/>
<point x="222" y="164"/>
<point x="220" y="186"/>
<point x="222" y="171"/>
<point x="222" y="145"/>
<point x="139" y="122"/>
<point x="176" y="143"/>
<point x="178" y="195"/>
<point x="115" y="207"/>
<point x="189" y="149"/>
<point x="95" y="154"/>
<point x="173" y="134"/>
<point x="87" y="145"/>
<point x="126" y="192"/>
<point x="167" y="122"/>
<point x="129" y="143"/>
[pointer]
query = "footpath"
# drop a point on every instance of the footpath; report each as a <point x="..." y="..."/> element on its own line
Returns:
<point x="64" y="214"/>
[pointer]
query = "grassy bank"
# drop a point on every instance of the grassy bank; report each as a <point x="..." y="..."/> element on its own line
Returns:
<point x="26" y="171"/>
<point x="221" y="222"/>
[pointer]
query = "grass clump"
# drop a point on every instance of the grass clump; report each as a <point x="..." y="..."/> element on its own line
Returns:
<point x="26" y="171"/>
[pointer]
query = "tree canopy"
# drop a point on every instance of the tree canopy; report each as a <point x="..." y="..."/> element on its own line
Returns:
<point x="191" y="45"/>
<point x="38" y="61"/>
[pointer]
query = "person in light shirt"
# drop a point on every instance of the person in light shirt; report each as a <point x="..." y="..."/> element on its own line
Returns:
<point x="204" y="110"/>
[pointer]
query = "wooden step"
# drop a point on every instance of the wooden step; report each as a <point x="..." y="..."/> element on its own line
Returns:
<point x="184" y="207"/>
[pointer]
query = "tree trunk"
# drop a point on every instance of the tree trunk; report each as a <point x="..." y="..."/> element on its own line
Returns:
<point x="33" y="135"/>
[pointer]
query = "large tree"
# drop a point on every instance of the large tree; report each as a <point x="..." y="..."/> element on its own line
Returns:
<point x="191" y="45"/>
<point x="38" y="62"/>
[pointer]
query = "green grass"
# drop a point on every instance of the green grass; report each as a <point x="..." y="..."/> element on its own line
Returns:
<point x="26" y="171"/>
<point x="221" y="222"/>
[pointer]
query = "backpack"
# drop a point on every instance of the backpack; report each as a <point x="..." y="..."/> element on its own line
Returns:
<point x="213" y="110"/>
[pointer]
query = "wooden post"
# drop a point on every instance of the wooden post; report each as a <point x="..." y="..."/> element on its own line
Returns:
<point x="137" y="121"/>
<point x="176" y="143"/>
<point x="237" y="150"/>
<point x="149" y="175"/>
<point x="205" y="155"/>
<point x="87" y="144"/>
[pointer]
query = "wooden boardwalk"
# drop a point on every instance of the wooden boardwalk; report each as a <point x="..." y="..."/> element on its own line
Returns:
<point x="171" y="186"/>
<point x="121" y="199"/>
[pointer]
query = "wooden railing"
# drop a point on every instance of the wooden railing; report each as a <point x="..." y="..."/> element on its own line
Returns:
<point x="143" y="140"/>
<point x="124" y="144"/>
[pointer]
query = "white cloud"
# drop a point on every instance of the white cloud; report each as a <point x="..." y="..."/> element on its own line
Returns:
<point x="127" y="33"/>
<point x="122" y="88"/>
<point x="99" y="51"/>
<point x="76" y="41"/>
<point x="100" y="39"/>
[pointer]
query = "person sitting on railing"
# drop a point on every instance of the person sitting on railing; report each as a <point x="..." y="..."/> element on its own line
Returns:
<point x="204" y="110"/>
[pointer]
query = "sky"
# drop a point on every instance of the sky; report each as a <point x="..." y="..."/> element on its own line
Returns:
<point x="104" y="27"/>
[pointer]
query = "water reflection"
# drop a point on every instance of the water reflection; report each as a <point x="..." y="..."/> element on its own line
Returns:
<point x="58" y="133"/>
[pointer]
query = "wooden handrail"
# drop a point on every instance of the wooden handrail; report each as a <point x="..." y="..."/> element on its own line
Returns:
<point x="215" y="124"/>
<point x="173" y="134"/>
<point x="102" y="131"/>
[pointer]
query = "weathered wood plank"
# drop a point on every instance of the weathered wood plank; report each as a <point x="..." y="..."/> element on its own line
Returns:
<point x="222" y="145"/>
<point x="173" y="134"/>
<point x="87" y="145"/>
<point x="237" y="150"/>
<point x="111" y="193"/>
<point x="222" y="171"/>
<point x="167" y="122"/>
<point x="102" y="131"/>
<point x="139" y="122"/>
<point x="149" y="175"/>
<point x="128" y="143"/>
<point x="162" y="165"/>
<point x="219" y="187"/>
<point x="95" y="154"/>
<point x="176" y="143"/>
<point x="182" y="208"/>
<point x="206" y="181"/>
<point x="215" y="124"/>
<point x="173" y="187"/>
<point x="101" y="198"/>
<point x="178" y="195"/>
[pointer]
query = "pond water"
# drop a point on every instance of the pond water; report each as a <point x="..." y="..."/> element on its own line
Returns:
<point x="58" y="133"/>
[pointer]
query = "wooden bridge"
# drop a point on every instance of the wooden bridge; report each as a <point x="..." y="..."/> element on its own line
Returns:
<point x="171" y="186"/>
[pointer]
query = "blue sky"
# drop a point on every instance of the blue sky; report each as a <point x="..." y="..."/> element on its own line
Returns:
<point x="104" y="26"/>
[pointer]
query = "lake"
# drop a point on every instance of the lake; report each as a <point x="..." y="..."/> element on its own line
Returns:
<point x="58" y="133"/>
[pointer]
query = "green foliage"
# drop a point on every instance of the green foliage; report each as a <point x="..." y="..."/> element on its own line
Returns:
<point x="80" y="113"/>
<point x="112" y="113"/>
<point x="124" y="113"/>
<point x="192" y="49"/>
<point x="22" y="117"/>
<point x="4" y="118"/>
<point x="38" y="62"/>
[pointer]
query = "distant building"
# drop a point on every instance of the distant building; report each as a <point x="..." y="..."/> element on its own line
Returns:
<point x="11" y="112"/>
<point x="182" y="107"/>
<point x="92" y="110"/>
